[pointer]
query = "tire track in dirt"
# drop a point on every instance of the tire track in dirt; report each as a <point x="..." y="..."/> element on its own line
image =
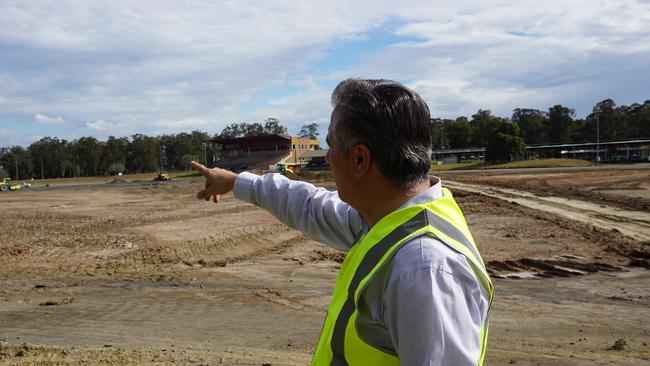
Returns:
<point x="221" y="249"/>
<point x="159" y="215"/>
<point x="634" y="224"/>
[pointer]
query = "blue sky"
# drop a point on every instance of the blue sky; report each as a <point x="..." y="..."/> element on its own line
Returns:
<point x="70" y="68"/>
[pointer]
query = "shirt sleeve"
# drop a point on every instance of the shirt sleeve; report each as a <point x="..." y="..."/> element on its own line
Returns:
<point x="317" y="212"/>
<point x="433" y="318"/>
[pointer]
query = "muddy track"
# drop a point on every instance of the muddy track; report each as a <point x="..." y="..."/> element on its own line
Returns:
<point x="634" y="224"/>
<point x="544" y="268"/>
<point x="626" y="190"/>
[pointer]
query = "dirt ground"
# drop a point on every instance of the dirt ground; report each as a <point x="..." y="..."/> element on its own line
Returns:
<point x="629" y="189"/>
<point x="146" y="274"/>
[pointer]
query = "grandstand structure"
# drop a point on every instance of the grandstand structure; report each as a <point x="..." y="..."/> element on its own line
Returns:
<point x="264" y="152"/>
<point x="615" y="151"/>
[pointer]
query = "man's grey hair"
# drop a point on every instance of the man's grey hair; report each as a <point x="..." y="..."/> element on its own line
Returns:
<point x="391" y="120"/>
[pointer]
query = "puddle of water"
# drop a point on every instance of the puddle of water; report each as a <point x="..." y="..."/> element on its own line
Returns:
<point x="521" y="275"/>
<point x="572" y="270"/>
<point x="569" y="256"/>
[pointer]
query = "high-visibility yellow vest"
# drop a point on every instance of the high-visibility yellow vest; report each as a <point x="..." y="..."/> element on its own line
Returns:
<point x="340" y="343"/>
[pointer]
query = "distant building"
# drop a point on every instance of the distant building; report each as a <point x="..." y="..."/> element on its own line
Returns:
<point x="315" y="160"/>
<point x="264" y="152"/>
<point x="621" y="151"/>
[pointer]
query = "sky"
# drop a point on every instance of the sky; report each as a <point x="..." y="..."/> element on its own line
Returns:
<point x="98" y="68"/>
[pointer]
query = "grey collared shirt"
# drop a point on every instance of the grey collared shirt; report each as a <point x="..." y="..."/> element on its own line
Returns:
<point x="426" y="306"/>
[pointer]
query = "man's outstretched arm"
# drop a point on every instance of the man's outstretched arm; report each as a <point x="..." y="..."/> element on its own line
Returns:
<point x="317" y="212"/>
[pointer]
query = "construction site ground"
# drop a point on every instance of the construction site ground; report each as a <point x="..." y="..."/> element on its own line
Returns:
<point x="146" y="274"/>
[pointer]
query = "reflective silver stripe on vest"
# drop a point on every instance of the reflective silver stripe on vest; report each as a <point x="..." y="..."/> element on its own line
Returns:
<point x="453" y="232"/>
<point x="369" y="262"/>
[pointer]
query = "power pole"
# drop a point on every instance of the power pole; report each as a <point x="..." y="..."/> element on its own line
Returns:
<point x="42" y="175"/>
<point x="598" y="135"/>
<point x="16" y="160"/>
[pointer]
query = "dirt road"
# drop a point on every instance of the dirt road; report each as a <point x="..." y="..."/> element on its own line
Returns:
<point x="635" y="224"/>
<point x="626" y="187"/>
<point x="149" y="275"/>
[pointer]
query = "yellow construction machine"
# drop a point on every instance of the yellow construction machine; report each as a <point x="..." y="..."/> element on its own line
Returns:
<point x="283" y="169"/>
<point x="8" y="185"/>
<point x="162" y="177"/>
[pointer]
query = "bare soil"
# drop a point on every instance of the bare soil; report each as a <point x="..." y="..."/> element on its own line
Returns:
<point x="128" y="274"/>
<point x="629" y="189"/>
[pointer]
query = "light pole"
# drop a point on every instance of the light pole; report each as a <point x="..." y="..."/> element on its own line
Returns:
<point x="597" y="135"/>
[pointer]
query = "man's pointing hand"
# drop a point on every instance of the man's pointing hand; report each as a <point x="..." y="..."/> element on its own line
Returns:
<point x="217" y="181"/>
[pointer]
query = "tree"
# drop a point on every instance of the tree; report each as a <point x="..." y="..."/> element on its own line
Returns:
<point x="559" y="124"/>
<point x="114" y="151"/>
<point x="607" y="120"/>
<point x="185" y="161"/>
<point x="182" y="145"/>
<point x="439" y="136"/>
<point x="143" y="154"/>
<point x="636" y="119"/>
<point x="459" y="133"/>
<point x="49" y="157"/>
<point x="201" y="145"/>
<point x="88" y="155"/>
<point x="243" y="130"/>
<point x="71" y="167"/>
<point x="253" y="129"/>
<point x="231" y="130"/>
<point x="501" y="138"/>
<point x="531" y="122"/>
<point x="483" y="123"/>
<point x="310" y="131"/>
<point x="17" y="161"/>
<point x="272" y="126"/>
<point x="116" y="168"/>
<point x="505" y="142"/>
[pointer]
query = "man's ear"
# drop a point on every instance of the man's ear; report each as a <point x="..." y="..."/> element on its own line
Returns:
<point x="362" y="160"/>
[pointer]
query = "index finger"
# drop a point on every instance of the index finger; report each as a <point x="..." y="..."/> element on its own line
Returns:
<point x="200" y="167"/>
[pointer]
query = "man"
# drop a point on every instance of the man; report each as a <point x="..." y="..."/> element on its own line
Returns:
<point x="413" y="289"/>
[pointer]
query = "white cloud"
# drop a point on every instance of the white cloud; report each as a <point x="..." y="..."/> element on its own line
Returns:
<point x="100" y="125"/>
<point x="160" y="67"/>
<point x="43" y="118"/>
<point x="505" y="55"/>
<point x="4" y="132"/>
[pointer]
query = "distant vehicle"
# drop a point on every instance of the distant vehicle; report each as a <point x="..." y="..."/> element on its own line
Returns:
<point x="8" y="185"/>
<point x="317" y="166"/>
<point x="162" y="177"/>
<point x="283" y="169"/>
<point x="636" y="157"/>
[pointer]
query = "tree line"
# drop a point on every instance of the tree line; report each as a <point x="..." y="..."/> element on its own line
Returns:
<point x="503" y="138"/>
<point x="506" y="138"/>
<point x="51" y="157"/>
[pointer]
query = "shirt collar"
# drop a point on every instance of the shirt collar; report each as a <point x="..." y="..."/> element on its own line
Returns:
<point x="432" y="193"/>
